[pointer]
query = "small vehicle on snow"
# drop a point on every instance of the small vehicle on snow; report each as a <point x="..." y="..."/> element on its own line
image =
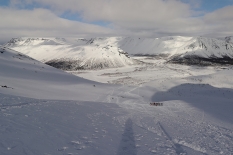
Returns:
<point x="156" y="104"/>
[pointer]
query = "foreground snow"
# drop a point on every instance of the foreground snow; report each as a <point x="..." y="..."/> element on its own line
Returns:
<point x="72" y="115"/>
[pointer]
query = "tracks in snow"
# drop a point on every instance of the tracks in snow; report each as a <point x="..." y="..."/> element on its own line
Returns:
<point x="184" y="128"/>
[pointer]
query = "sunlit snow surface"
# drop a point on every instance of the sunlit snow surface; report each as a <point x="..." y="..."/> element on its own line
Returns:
<point x="72" y="115"/>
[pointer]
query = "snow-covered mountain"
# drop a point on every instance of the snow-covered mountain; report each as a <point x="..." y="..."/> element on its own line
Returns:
<point x="187" y="50"/>
<point x="205" y="51"/>
<point x="176" y="45"/>
<point x="24" y="76"/>
<point x="73" y="54"/>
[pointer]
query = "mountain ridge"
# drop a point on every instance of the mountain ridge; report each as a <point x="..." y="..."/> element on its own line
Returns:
<point x="82" y="53"/>
<point x="113" y="52"/>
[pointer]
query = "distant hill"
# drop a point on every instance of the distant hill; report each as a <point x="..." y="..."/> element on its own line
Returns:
<point x="110" y="52"/>
<point x="78" y="54"/>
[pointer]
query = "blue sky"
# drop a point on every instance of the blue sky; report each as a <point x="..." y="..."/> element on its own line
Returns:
<point x="4" y="2"/>
<point x="152" y="18"/>
<point x="77" y="17"/>
<point x="211" y="5"/>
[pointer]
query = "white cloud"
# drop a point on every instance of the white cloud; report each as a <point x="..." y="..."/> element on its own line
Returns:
<point x="43" y="23"/>
<point x="119" y="11"/>
<point x="220" y="22"/>
<point x="126" y="17"/>
<point x="224" y="14"/>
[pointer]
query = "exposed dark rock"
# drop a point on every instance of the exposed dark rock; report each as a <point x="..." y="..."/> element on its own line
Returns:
<point x="65" y="64"/>
<point x="153" y="55"/>
<point x="197" y="60"/>
<point x="71" y="65"/>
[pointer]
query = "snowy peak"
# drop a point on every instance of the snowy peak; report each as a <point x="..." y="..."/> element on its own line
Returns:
<point x="105" y="44"/>
<point x="212" y="43"/>
<point x="186" y="50"/>
<point x="153" y="46"/>
<point x="206" y="47"/>
<point x="94" y="53"/>
<point x="175" y="45"/>
<point x="111" y="52"/>
<point x="205" y="51"/>
<point x="35" y="41"/>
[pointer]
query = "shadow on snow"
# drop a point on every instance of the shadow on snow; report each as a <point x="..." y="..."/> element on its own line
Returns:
<point x="215" y="101"/>
<point x="127" y="145"/>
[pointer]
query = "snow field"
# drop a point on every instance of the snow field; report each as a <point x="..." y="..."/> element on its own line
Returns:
<point x="195" y="116"/>
<point x="53" y="112"/>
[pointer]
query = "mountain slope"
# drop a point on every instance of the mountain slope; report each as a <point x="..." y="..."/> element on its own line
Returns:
<point x="175" y="45"/>
<point x="153" y="46"/>
<point x="205" y="51"/>
<point x="95" y="53"/>
<point x="78" y="54"/>
<point x="23" y="76"/>
<point x="186" y="50"/>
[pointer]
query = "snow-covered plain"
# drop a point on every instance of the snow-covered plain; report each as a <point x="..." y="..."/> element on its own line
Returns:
<point x="45" y="111"/>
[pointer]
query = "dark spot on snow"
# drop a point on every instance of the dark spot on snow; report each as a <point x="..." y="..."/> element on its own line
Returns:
<point x="6" y="87"/>
<point x="2" y="50"/>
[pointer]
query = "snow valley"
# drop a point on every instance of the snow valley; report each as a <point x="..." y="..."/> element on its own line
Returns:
<point x="100" y="102"/>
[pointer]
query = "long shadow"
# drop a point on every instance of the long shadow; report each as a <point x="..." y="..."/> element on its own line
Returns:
<point x="127" y="145"/>
<point x="216" y="101"/>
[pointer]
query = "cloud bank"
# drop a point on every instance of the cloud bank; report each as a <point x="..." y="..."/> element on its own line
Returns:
<point x="125" y="17"/>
